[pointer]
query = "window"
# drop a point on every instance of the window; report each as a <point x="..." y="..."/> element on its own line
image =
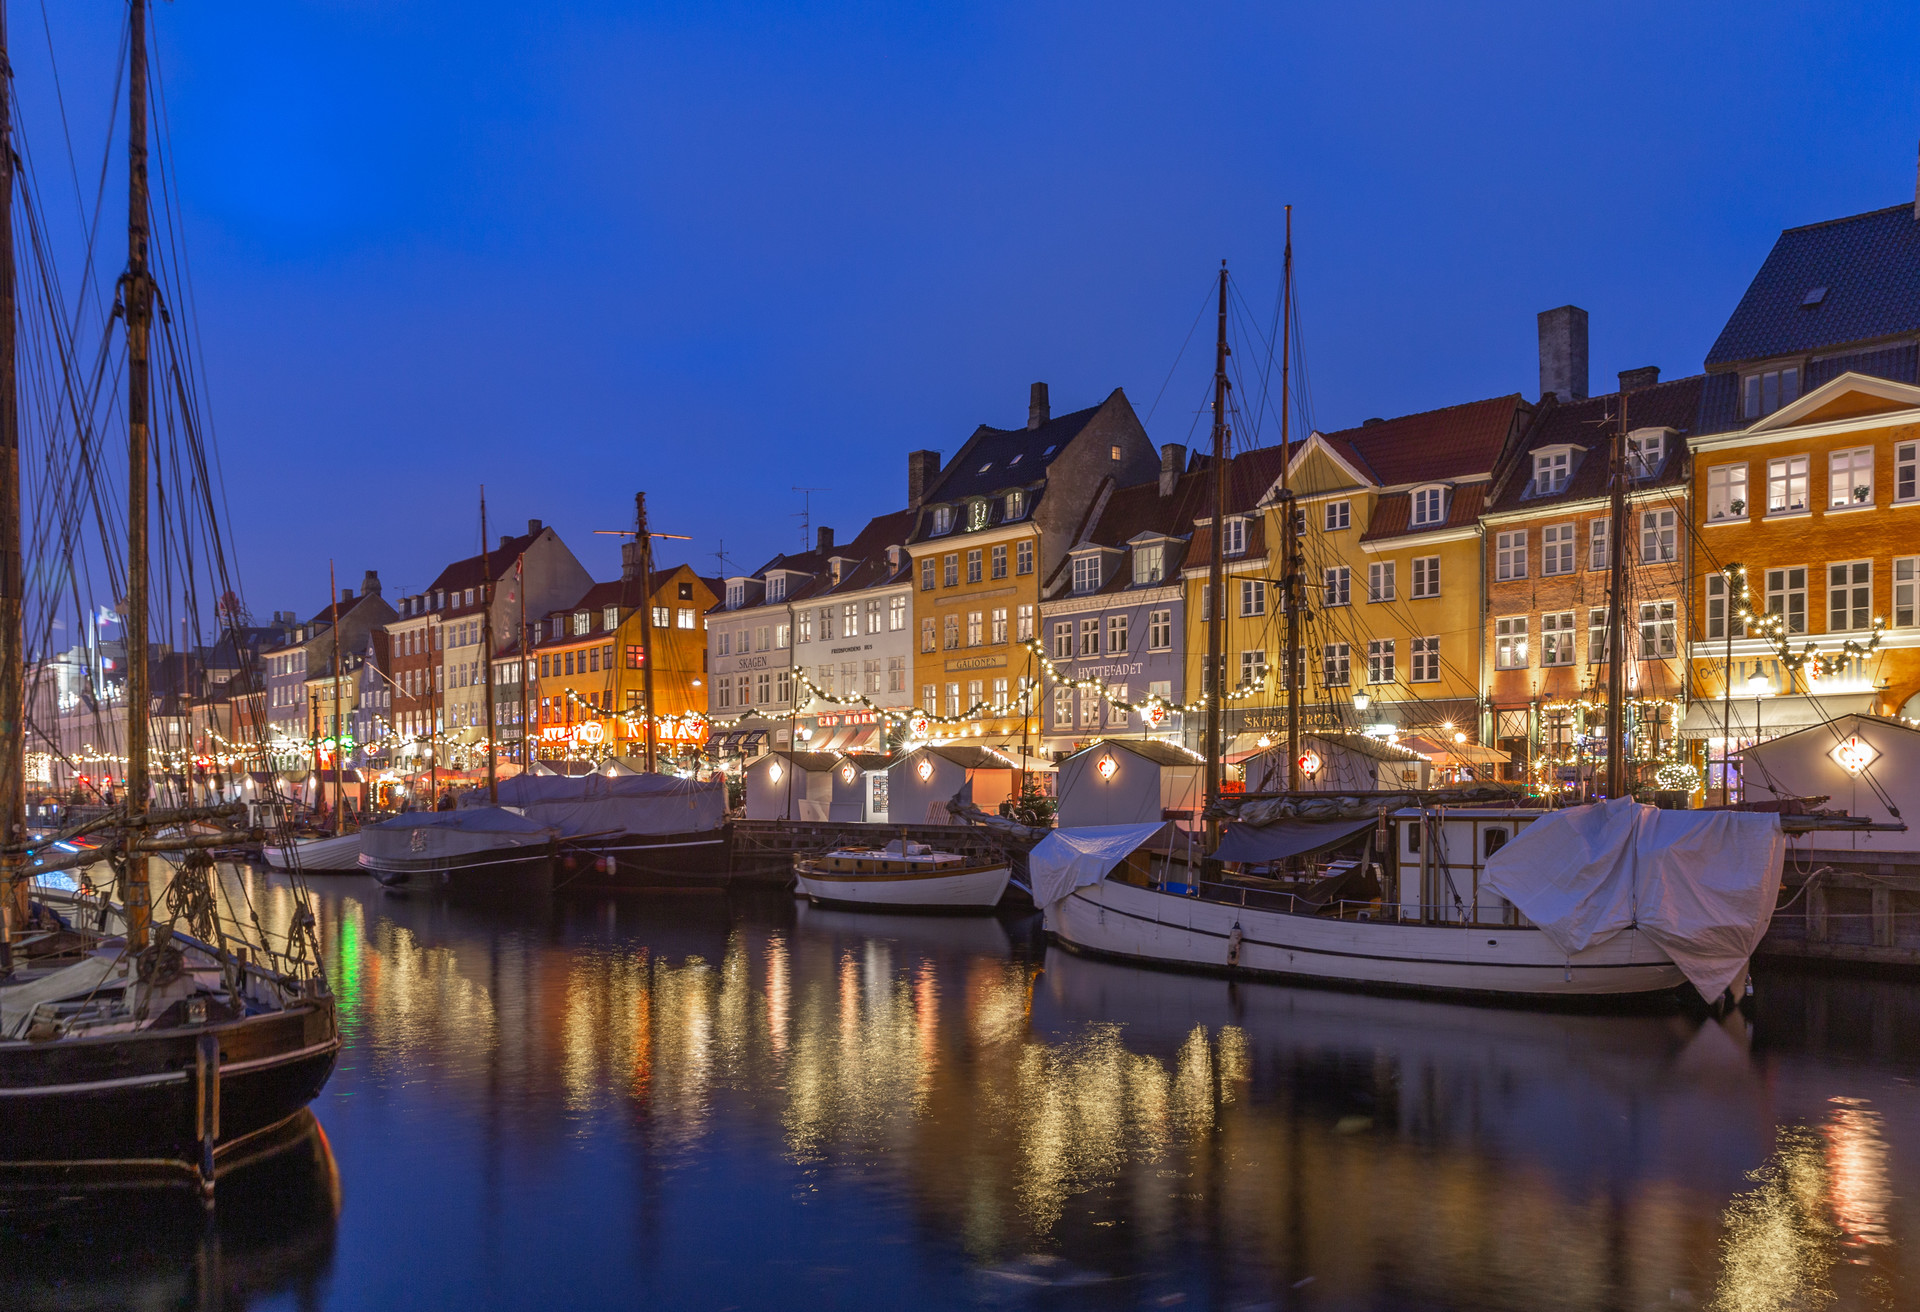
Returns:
<point x="953" y="699"/>
<point x="1090" y="636"/>
<point x="826" y="624"/>
<point x="1429" y="506"/>
<point x="1380" y="581"/>
<point x="1116" y="714"/>
<point x="776" y="587"/>
<point x="1426" y="576"/>
<point x="723" y="688"/>
<point x="1253" y="596"/>
<point x="872" y="612"/>
<point x="1234" y="543"/>
<point x="1089" y="709"/>
<point x="782" y="686"/>
<point x="1850" y="477"/>
<point x="1657" y="639"/>
<point x="1336" y="587"/>
<point x="930" y="698"/>
<point x="1063" y="708"/>
<point x="1599" y="650"/>
<point x="1510" y="559"/>
<point x="1556" y="638"/>
<point x="1086" y="573"/>
<point x="1556" y="549"/>
<point x="976" y="696"/>
<point x="1906" y="591"/>
<point x="1063" y="640"/>
<point x="1253" y="668"/>
<point x="782" y="633"/>
<point x="1016" y="502"/>
<point x="1426" y="660"/>
<point x="1150" y="563"/>
<point x="1726" y="492"/>
<point x="1023" y="621"/>
<point x="1116" y="635"/>
<point x="1023" y="557"/>
<point x="850" y="620"/>
<point x="659" y="617"/>
<point x="1159" y="630"/>
<point x="999" y="625"/>
<point x="951" y="632"/>
<point x="569" y="660"/>
<point x="950" y="569"/>
<point x="1786" y="485"/>
<point x="926" y="574"/>
<point x="1300" y="523"/>
<point x="1906" y="471"/>
<point x="1550" y="470"/>
<point x="1657" y="529"/>
<point x="896" y="674"/>
<point x="1380" y="660"/>
<point x="1717" y="609"/>
<point x="1787" y="595"/>
<point x="636" y="657"/>
<point x="1510" y="643"/>
<point x="999" y="568"/>
<point x="976" y="514"/>
<point x="870" y="673"/>
<point x="942" y="520"/>
<point x="763" y="685"/>
<point x="973" y="565"/>
<point x="927" y="640"/>
<point x="684" y="618"/>
<point x="897" y="614"/>
<point x="1336" y="664"/>
<point x="1645" y="451"/>
<point x="976" y="629"/>
<point x="1849" y="596"/>
<point x="1763" y="393"/>
<point x="1599" y="544"/>
<point x="1339" y="515"/>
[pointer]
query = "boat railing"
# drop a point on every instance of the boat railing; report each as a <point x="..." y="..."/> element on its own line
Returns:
<point x="1439" y="915"/>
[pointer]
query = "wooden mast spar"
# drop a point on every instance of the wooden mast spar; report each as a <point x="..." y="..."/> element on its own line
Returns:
<point x="13" y="653"/>
<point x="1289" y="528"/>
<point x="1212" y="680"/>
<point x="486" y="645"/>
<point x="136" y="298"/>
<point x="1616" y="612"/>
<point x="644" y="549"/>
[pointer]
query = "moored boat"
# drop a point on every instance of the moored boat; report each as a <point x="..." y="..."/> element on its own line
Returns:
<point x="902" y="876"/>
<point x="337" y="854"/>
<point x="475" y="849"/>
<point x="628" y="831"/>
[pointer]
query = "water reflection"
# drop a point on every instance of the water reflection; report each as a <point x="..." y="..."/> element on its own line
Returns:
<point x="705" y="1103"/>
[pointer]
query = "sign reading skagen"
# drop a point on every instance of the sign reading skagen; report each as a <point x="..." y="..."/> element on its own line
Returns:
<point x="751" y="663"/>
<point x="977" y="663"/>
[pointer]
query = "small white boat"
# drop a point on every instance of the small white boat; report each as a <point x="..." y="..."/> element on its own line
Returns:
<point x="339" y="855"/>
<point x="901" y="875"/>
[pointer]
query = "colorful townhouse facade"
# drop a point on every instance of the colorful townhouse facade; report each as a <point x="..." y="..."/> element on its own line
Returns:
<point x="852" y="641"/>
<point x="1252" y="628"/>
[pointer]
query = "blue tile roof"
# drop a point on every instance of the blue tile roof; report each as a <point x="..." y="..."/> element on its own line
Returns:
<point x="1869" y="265"/>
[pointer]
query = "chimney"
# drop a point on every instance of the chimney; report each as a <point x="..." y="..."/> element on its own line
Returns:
<point x="629" y="561"/>
<point x="923" y="467"/>
<point x="346" y="596"/>
<point x="505" y="538"/>
<point x="1037" y="405"/>
<point x="1173" y="459"/>
<point x="370" y="585"/>
<point x="823" y="539"/>
<point x="1563" y="353"/>
<point x="533" y="527"/>
<point x="1632" y="380"/>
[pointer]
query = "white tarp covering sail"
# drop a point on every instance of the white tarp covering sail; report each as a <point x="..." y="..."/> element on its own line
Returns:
<point x="1700" y="884"/>
<point x="603" y="804"/>
<point x="1067" y="859"/>
<point x="443" y="835"/>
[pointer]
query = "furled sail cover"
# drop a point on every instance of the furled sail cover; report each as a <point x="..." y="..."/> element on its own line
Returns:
<point x="1068" y="858"/>
<point x="601" y="804"/>
<point x="441" y="835"/>
<point x="1700" y="884"/>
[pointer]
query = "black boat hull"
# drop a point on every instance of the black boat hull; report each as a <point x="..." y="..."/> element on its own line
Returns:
<point x="137" y="1098"/>
<point x="512" y="870"/>
<point x="690" y="861"/>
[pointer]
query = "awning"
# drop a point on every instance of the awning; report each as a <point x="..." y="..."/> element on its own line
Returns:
<point x="1258" y="845"/>
<point x="1465" y="753"/>
<point x="1770" y="716"/>
<point x="866" y="738"/>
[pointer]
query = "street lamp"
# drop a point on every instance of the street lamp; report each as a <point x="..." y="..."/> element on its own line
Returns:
<point x="1361" y="700"/>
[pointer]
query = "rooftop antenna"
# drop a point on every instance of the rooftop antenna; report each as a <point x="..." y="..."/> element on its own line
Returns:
<point x="726" y="561"/>
<point x="806" y="515"/>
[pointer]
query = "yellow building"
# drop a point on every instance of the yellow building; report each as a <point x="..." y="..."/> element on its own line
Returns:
<point x="1253" y="630"/>
<point x="991" y="537"/>
<point x="1390" y="554"/>
<point x="1820" y="503"/>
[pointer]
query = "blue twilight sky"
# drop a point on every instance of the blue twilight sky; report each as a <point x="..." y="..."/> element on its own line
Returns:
<point x="718" y="250"/>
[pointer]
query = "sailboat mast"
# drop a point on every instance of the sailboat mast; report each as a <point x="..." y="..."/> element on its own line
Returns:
<point x="486" y="645"/>
<point x="1216" y="560"/>
<point x="525" y="656"/>
<point x="1289" y="530"/>
<point x="644" y="549"/>
<point x="13" y="648"/>
<point x="333" y="625"/>
<point x="136" y="293"/>
<point x="1617" y="612"/>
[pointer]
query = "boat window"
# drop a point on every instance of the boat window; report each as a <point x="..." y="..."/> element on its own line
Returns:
<point x="1495" y="840"/>
<point x="1413" y="836"/>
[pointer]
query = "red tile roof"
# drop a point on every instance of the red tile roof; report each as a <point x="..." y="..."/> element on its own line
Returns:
<point x="1391" y="512"/>
<point x="1458" y="441"/>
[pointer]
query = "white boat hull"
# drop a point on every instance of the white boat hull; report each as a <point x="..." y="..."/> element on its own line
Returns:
<point x="337" y="855"/>
<point x="976" y="888"/>
<point x="1125" y="920"/>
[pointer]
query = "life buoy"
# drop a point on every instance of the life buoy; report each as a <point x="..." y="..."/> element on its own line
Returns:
<point x="1233" y="946"/>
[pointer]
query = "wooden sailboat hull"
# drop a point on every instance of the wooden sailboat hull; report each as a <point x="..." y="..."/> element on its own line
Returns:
<point x="975" y="889"/>
<point x="502" y="870"/>
<point x="338" y="855"/>
<point x="1145" y="924"/>
<point x="137" y="1098"/>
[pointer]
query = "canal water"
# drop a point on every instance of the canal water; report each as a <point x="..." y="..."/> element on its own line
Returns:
<point x="705" y="1102"/>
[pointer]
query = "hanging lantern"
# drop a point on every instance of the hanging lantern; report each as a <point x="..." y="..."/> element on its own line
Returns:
<point x="1106" y="766"/>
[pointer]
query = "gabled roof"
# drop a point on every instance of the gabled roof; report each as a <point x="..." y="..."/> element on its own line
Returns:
<point x="1151" y="749"/>
<point x="1458" y="441"/>
<point x="1588" y="426"/>
<point x="476" y="569"/>
<point x="1131" y="512"/>
<point x="1846" y="397"/>
<point x="1869" y="266"/>
<point x="1392" y="513"/>
<point x="963" y="755"/>
<point x="995" y="459"/>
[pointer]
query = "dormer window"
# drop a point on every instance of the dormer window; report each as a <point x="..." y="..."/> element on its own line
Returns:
<point x="1150" y="563"/>
<point x="610" y="618"/>
<point x="776" y="587"/>
<point x="736" y="595"/>
<point x="942" y="520"/>
<point x="1429" y="506"/>
<point x="1086" y="573"/>
<point x="582" y="622"/>
<point x="836" y="569"/>
<point x="1234" y="543"/>
<point x="1646" y="449"/>
<point x="893" y="558"/>
<point x="976" y="514"/>
<point x="1763" y="393"/>
<point x="1016" y="503"/>
<point x="1550" y="471"/>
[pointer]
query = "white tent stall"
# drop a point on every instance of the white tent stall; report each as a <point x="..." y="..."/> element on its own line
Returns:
<point x="784" y="785"/>
<point x="1341" y="763"/>
<point x="1129" y="781"/>
<point x="1859" y="763"/>
<point x="920" y="783"/>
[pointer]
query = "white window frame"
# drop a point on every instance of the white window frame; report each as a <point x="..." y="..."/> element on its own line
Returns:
<point x="1849" y="596"/>
<point x="1510" y="642"/>
<point x="1788" y="485"/>
<point x="942" y="520"/>
<point x="1659" y="631"/>
<point x="1426" y="577"/>
<point x="1906" y="592"/>
<point x="1426" y="660"/>
<point x="1428" y="507"/>
<point x="1339" y="515"/>
<point x="1659" y="536"/>
<point x="1253" y="597"/>
<point x="1380" y="660"/>
<point x="1781" y="588"/>
<point x="1599" y="544"/>
<point x="1510" y="558"/>
<point x="1906" y="473"/>
<point x="1597" y="653"/>
<point x="1646" y="452"/>
<point x="1234" y="540"/>
<point x="1556" y="638"/>
<point x="1089" y="635"/>
<point x="1253" y="669"/>
<point x="1727" y="485"/>
<point x="1381" y="581"/>
<point x="1086" y="573"/>
<point x="1117" y="635"/>
<point x="1336" y="664"/>
<point x="1063" y="640"/>
<point x="1150" y="563"/>
<point x="1718" y="609"/>
<point x="1551" y="470"/>
<point x="1336" y="586"/>
<point x="1160" y="630"/>
<point x="1850" y="478"/>
<point x="1764" y="392"/>
<point x="1556" y="549"/>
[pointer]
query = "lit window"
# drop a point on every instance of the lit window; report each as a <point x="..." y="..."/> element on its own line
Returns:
<point x="896" y="614"/>
<point x="999" y="625"/>
<point x="1253" y="668"/>
<point x="1850" y="477"/>
<point x="1786" y="485"/>
<point x="1510" y="643"/>
<point x="942" y="520"/>
<point x="1726" y="492"/>
<point x="976" y="514"/>
<point x="1149" y="563"/>
<point x="976" y="628"/>
<point x="1016" y="502"/>
<point x="1086" y="573"/>
<point x="1556" y="638"/>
